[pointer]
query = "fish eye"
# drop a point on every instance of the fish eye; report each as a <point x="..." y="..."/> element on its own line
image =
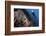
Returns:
<point x="24" y="18"/>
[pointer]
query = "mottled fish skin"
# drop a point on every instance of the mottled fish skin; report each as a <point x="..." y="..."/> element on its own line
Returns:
<point x="21" y="19"/>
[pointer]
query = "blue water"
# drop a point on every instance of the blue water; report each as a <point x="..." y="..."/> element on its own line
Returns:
<point x="34" y="15"/>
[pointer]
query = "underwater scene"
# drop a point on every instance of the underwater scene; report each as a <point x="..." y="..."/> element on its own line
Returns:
<point x="26" y="17"/>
